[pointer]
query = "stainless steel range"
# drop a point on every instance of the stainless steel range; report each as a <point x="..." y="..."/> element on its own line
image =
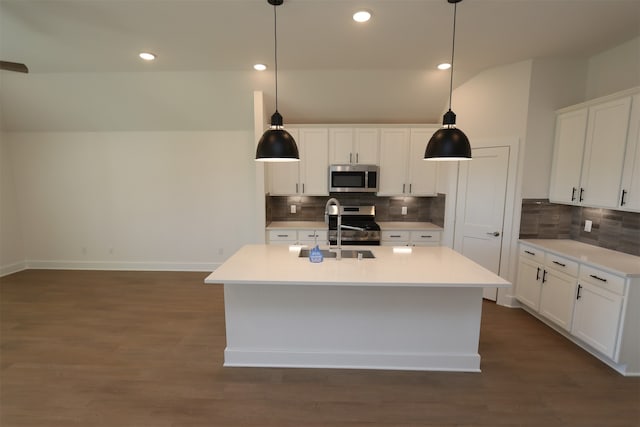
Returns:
<point x="358" y="225"/>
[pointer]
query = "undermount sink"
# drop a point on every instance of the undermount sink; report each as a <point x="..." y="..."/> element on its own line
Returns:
<point x="346" y="253"/>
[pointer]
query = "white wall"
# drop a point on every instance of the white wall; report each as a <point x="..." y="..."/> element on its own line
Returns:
<point x="140" y="200"/>
<point x="614" y="70"/>
<point x="12" y="253"/>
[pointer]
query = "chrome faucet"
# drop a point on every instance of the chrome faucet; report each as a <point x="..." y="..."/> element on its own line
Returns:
<point x="334" y="201"/>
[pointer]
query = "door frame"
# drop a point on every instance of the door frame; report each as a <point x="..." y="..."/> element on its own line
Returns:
<point x="512" y="213"/>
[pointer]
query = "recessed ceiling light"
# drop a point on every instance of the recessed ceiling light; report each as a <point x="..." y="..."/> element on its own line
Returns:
<point x="259" y="67"/>
<point x="362" y="16"/>
<point x="147" y="56"/>
<point x="444" y="66"/>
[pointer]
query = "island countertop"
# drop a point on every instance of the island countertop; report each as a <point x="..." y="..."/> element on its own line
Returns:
<point x="421" y="267"/>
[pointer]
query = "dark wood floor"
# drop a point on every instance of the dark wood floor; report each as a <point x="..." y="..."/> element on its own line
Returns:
<point x="81" y="348"/>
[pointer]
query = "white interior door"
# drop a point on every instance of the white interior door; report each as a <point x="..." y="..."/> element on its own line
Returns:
<point x="482" y="186"/>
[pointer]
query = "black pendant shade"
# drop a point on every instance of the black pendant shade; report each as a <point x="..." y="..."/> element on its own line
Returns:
<point x="449" y="143"/>
<point x="276" y="144"/>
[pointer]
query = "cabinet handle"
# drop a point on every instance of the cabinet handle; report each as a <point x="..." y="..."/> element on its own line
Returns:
<point x="529" y="252"/>
<point x="410" y="185"/>
<point x="350" y="157"/>
<point x="581" y="193"/>
<point x="624" y="193"/>
<point x="598" y="278"/>
<point x="573" y="193"/>
<point x="302" y="188"/>
<point x="395" y="235"/>
<point x="403" y="186"/>
<point x="544" y="276"/>
<point x="296" y="187"/>
<point x="283" y="235"/>
<point x="560" y="264"/>
<point x="538" y="274"/>
<point x="426" y="237"/>
<point x="578" y="296"/>
<point x="357" y="159"/>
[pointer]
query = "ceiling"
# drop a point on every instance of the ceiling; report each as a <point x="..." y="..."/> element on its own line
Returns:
<point x="103" y="36"/>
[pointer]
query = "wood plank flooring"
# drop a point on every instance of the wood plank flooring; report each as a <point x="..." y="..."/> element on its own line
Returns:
<point x="86" y="348"/>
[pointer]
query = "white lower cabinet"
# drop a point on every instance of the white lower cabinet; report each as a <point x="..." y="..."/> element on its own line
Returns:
<point x="302" y="236"/>
<point x="410" y="237"/>
<point x="598" y="308"/>
<point x="547" y="283"/>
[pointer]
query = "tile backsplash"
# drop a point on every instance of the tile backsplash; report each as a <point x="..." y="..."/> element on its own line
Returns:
<point x="311" y="208"/>
<point x="611" y="229"/>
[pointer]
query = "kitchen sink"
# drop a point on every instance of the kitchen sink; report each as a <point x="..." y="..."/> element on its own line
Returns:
<point x="346" y="253"/>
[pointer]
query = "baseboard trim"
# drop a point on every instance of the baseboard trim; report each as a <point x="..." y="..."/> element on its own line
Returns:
<point x="509" y="301"/>
<point x="123" y="266"/>
<point x="12" y="268"/>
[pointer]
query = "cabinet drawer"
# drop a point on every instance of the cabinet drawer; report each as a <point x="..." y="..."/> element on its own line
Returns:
<point x="395" y="236"/>
<point x="313" y="235"/>
<point x="282" y="235"/>
<point x="562" y="264"/>
<point x="424" y="236"/>
<point x="532" y="253"/>
<point x="602" y="279"/>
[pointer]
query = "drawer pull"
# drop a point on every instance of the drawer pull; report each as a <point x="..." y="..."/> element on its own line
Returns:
<point x="426" y="237"/>
<point x="395" y="235"/>
<point x="544" y="276"/>
<point x="578" y="296"/>
<point x="560" y="264"/>
<point x="573" y="194"/>
<point x="529" y="252"/>
<point x="312" y="235"/>
<point x="598" y="278"/>
<point x="622" y="202"/>
<point x="581" y="193"/>
<point x="538" y="274"/>
<point x="283" y="235"/>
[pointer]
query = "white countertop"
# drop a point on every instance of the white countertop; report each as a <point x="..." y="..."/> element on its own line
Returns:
<point x="422" y="267"/>
<point x="384" y="225"/>
<point x="399" y="225"/>
<point x="613" y="261"/>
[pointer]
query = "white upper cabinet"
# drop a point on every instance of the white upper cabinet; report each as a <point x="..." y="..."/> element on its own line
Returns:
<point x="422" y="173"/>
<point x="604" y="153"/>
<point x="630" y="192"/>
<point x="403" y="172"/>
<point x="353" y="146"/>
<point x="571" y="128"/>
<point x="589" y="155"/>
<point x="394" y="161"/>
<point x="309" y="176"/>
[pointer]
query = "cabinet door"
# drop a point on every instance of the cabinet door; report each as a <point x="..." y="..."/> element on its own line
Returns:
<point x="567" y="156"/>
<point x="557" y="297"/>
<point x="528" y="284"/>
<point x="314" y="161"/>
<point x="366" y="146"/>
<point x="604" y="153"/>
<point x="283" y="177"/>
<point x="596" y="318"/>
<point x="422" y="174"/>
<point x="341" y="146"/>
<point x="631" y="169"/>
<point x="394" y="153"/>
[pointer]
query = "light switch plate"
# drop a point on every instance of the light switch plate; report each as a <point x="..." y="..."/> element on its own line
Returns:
<point x="404" y="210"/>
<point x="587" y="225"/>
<point x="293" y="209"/>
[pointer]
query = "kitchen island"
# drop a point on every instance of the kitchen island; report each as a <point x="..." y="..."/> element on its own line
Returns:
<point x="408" y="308"/>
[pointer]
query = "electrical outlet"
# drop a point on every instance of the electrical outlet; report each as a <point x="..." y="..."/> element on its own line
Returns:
<point x="587" y="225"/>
<point x="404" y="210"/>
<point x="293" y="208"/>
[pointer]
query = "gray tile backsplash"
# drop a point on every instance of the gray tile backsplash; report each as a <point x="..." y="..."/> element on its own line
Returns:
<point x="611" y="229"/>
<point x="311" y="208"/>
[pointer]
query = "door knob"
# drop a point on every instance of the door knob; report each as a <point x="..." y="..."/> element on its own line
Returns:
<point x="494" y="234"/>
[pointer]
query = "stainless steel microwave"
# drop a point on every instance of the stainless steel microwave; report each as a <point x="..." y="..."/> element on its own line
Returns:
<point x="353" y="178"/>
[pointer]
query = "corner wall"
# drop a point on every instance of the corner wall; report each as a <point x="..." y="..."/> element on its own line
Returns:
<point x="12" y="255"/>
<point x="614" y="69"/>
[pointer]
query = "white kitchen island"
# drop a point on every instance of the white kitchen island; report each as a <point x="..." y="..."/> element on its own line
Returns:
<point x="417" y="310"/>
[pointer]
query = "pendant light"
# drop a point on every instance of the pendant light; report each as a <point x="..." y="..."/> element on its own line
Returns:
<point x="276" y="144"/>
<point x="449" y="142"/>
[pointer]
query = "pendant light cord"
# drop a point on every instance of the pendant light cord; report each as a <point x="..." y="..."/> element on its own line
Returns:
<point x="275" y="39"/>
<point x="453" y="49"/>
